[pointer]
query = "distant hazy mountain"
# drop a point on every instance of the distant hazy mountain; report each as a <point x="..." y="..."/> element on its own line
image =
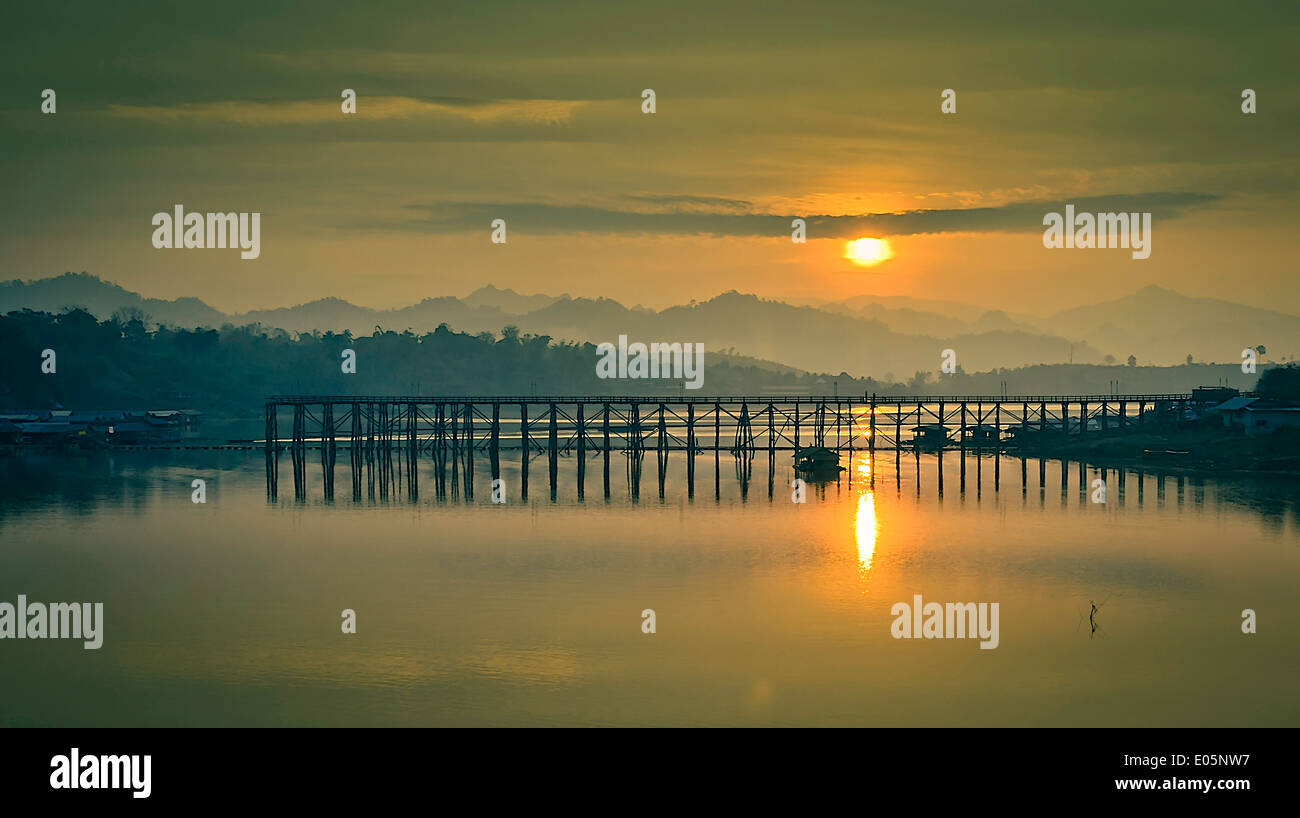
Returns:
<point x="862" y="336"/>
<point x="858" y="303"/>
<point x="912" y="321"/>
<point x="327" y="313"/>
<point x="803" y="337"/>
<point x="102" y="299"/>
<point x="339" y="315"/>
<point x="953" y="309"/>
<point x="903" y="320"/>
<point x="1162" y="326"/>
<point x="509" y="301"/>
<point x="999" y="320"/>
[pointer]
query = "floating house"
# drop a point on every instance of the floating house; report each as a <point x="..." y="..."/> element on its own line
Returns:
<point x="1021" y="432"/>
<point x="982" y="435"/>
<point x="817" y="461"/>
<point x="53" y="432"/>
<point x="25" y="416"/>
<point x="96" y="427"/>
<point x="186" y="420"/>
<point x="145" y="428"/>
<point x="930" y="436"/>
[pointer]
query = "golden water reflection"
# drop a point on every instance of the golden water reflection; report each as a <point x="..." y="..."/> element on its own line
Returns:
<point x="866" y="526"/>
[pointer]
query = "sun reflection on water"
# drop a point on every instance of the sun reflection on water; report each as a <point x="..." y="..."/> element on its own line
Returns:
<point x="866" y="526"/>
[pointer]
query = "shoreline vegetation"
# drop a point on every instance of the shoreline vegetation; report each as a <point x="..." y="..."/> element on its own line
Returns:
<point x="122" y="362"/>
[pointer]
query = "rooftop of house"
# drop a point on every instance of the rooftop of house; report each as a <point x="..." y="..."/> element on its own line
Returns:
<point x="1233" y="404"/>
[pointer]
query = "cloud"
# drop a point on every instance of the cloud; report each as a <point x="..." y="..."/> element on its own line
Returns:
<point x="297" y="112"/>
<point x="717" y="203"/>
<point x="454" y="217"/>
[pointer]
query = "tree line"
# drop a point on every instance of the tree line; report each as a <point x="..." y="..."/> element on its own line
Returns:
<point x="122" y="363"/>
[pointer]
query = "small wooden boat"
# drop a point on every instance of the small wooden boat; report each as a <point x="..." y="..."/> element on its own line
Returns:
<point x="817" y="460"/>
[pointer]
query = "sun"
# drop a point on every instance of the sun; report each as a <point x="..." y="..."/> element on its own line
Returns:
<point x="868" y="252"/>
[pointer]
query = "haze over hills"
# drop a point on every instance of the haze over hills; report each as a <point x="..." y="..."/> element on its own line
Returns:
<point x="338" y="315"/>
<point x="1159" y="324"/>
<point x="101" y="298"/>
<point x="509" y="300"/>
<point x="909" y="321"/>
<point x="863" y="336"/>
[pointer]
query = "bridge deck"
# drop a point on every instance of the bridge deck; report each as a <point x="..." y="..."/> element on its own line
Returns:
<point x="686" y="397"/>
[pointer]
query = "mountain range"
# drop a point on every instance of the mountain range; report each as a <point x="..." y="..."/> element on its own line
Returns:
<point x="884" y="337"/>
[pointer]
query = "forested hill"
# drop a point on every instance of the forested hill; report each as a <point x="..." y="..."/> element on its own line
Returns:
<point x="120" y="363"/>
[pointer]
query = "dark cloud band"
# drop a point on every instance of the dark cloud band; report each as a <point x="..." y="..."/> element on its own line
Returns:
<point x="456" y="217"/>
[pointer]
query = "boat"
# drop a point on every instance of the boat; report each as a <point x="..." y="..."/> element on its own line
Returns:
<point x="817" y="460"/>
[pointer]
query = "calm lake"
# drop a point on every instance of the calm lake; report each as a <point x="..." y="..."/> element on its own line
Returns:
<point x="767" y="611"/>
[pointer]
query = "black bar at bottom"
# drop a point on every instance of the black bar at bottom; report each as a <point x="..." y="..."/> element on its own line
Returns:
<point x="486" y="769"/>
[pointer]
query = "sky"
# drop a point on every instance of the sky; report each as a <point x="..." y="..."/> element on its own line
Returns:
<point x="531" y="112"/>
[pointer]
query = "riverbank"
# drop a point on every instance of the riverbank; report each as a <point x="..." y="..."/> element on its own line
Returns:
<point x="1204" y="445"/>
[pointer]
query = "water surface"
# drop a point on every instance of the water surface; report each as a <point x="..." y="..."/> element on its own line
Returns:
<point x="769" y="612"/>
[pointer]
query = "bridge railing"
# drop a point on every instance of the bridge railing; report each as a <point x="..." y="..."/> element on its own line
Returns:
<point x="682" y="399"/>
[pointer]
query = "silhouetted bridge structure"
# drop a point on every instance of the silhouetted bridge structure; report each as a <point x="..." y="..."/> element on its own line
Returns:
<point x="454" y="428"/>
<point x="736" y="424"/>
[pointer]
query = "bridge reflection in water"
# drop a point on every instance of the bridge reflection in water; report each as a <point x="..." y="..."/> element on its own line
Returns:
<point x="396" y="474"/>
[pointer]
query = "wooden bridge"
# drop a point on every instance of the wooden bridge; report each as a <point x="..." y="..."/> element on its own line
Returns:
<point x="638" y="423"/>
<point x="454" y="428"/>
